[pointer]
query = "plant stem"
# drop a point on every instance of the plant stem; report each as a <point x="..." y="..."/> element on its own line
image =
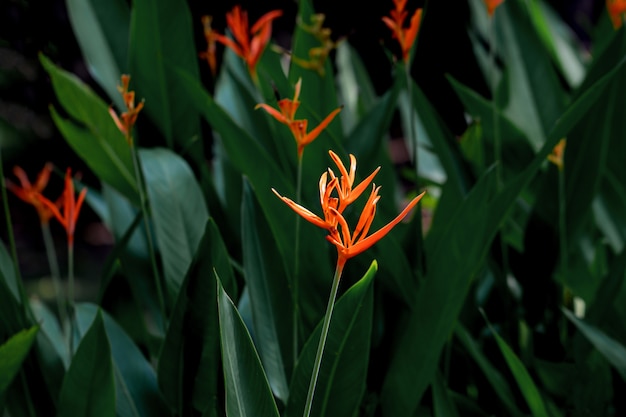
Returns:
<point x="325" y="326"/>
<point x="296" y="267"/>
<point x="413" y="139"/>
<point x="144" y="210"/>
<point x="11" y="236"/>
<point x="54" y="270"/>
<point x="70" y="292"/>
<point x="562" y="225"/>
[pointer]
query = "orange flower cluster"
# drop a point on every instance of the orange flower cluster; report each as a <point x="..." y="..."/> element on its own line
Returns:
<point x="65" y="210"/>
<point x="617" y="12"/>
<point x="405" y="36"/>
<point x="248" y="43"/>
<point x="30" y="192"/>
<point x="211" y="37"/>
<point x="287" y="116"/>
<point x="348" y="243"/>
<point x="492" y="5"/>
<point x="128" y="118"/>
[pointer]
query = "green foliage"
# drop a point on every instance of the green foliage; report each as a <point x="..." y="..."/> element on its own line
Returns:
<point x="189" y="204"/>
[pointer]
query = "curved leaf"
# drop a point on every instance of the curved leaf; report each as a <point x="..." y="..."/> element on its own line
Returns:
<point x="247" y="391"/>
<point x="136" y="390"/>
<point x="12" y="354"/>
<point x="189" y="358"/>
<point x="178" y="209"/>
<point x="88" y="387"/>
<point x="341" y="380"/>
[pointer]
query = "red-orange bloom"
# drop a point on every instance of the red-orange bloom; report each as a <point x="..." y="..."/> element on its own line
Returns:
<point x="405" y="36"/>
<point x="129" y="117"/>
<point x="69" y="206"/>
<point x="492" y="5"/>
<point x="211" y="36"/>
<point x="298" y="128"/>
<point x="29" y="192"/>
<point x="617" y="12"/>
<point x="348" y="244"/>
<point x="248" y="44"/>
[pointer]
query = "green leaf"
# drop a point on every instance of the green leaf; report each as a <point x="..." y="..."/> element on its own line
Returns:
<point x="178" y="209"/>
<point x="454" y="253"/>
<point x="495" y="378"/>
<point x="100" y="144"/>
<point x="355" y="86"/>
<point x="442" y="401"/>
<point x="88" y="387"/>
<point x="101" y="29"/>
<point x="189" y="365"/>
<point x="161" y="39"/>
<point x="52" y="347"/>
<point x="342" y="375"/>
<point x="272" y="310"/>
<point x="136" y="390"/>
<point x="7" y="274"/>
<point x="522" y="377"/>
<point x="12" y="354"/>
<point x="613" y="351"/>
<point x="247" y="389"/>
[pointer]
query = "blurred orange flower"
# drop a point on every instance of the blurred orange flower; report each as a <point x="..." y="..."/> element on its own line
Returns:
<point x="211" y="36"/>
<point x="405" y="36"/>
<point x="348" y="244"/>
<point x="127" y="119"/>
<point x="29" y="192"/>
<point x="298" y="128"/>
<point x="248" y="44"/>
<point x="492" y="5"/>
<point x="68" y="212"/>
<point x="617" y="12"/>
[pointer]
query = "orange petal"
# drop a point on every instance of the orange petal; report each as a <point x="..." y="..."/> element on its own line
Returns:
<point x="266" y="19"/>
<point x="304" y="212"/>
<point x="313" y="134"/>
<point x="273" y="112"/>
<point x="379" y="234"/>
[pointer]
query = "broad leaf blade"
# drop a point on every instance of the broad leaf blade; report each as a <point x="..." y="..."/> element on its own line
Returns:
<point x="190" y="354"/>
<point x="247" y="390"/>
<point x="12" y="354"/>
<point x="178" y="209"/>
<point x="88" y="387"/>
<point x="136" y="390"/>
<point x="272" y="312"/>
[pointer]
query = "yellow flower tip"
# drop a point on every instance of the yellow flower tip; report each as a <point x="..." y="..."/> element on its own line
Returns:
<point x="558" y="153"/>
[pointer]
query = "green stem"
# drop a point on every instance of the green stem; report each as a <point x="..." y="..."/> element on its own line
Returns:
<point x="54" y="270"/>
<point x="562" y="225"/>
<point x="413" y="139"/>
<point x="144" y="210"/>
<point x="497" y="144"/>
<point x="325" y="326"/>
<point x="11" y="236"/>
<point x="70" y="292"/>
<point x="296" y="267"/>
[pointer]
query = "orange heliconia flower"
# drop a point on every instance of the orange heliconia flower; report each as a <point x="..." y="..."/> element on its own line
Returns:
<point x="31" y="192"/>
<point x="492" y="5"/>
<point x="70" y="207"/>
<point x="211" y="37"/>
<point x="617" y="12"/>
<point x="248" y="44"/>
<point x="556" y="157"/>
<point x="129" y="117"/>
<point x="298" y="128"/>
<point x="348" y="243"/>
<point x="405" y="36"/>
